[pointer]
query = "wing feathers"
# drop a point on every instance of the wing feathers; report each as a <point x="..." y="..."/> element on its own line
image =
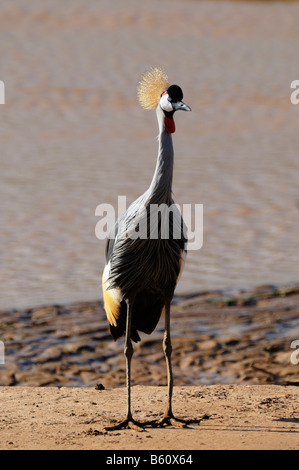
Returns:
<point x="112" y="298"/>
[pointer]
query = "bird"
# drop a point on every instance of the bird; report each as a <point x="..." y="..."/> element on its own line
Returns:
<point x="146" y="249"/>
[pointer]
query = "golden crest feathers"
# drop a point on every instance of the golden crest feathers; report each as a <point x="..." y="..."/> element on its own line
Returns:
<point x="150" y="87"/>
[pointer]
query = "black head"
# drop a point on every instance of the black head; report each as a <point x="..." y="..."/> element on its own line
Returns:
<point x="175" y="93"/>
<point x="171" y="100"/>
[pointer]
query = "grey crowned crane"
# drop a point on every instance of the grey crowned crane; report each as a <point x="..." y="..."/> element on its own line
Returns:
<point x="141" y="272"/>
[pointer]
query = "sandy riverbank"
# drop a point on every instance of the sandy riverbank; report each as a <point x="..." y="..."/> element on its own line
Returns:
<point x="239" y="343"/>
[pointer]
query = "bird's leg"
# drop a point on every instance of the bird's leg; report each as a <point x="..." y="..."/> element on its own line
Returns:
<point x="129" y="422"/>
<point x="128" y="351"/>
<point x="169" y="418"/>
<point x="167" y="348"/>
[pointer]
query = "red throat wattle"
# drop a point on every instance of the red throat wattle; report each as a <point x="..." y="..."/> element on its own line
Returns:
<point x="169" y="125"/>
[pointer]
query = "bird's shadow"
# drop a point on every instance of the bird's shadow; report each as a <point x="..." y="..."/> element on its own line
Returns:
<point x="185" y="423"/>
<point x="255" y="428"/>
<point x="288" y="420"/>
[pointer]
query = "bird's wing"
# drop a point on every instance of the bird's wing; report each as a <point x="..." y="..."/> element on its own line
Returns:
<point x="110" y="242"/>
<point x="112" y="294"/>
<point x="118" y="232"/>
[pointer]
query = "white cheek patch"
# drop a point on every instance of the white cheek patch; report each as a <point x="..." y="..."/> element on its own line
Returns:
<point x="164" y="103"/>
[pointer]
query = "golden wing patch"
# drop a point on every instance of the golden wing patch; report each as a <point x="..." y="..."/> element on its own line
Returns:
<point x="112" y="298"/>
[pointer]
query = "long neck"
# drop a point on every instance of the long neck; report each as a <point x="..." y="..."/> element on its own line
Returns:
<point x="160" y="188"/>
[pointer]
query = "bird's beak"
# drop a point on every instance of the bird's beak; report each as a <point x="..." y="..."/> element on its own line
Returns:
<point x="180" y="105"/>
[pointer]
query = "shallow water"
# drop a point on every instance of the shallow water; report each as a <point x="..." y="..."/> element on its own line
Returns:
<point x="73" y="136"/>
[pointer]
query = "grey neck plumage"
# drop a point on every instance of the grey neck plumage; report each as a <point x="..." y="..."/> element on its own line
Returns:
<point x="160" y="188"/>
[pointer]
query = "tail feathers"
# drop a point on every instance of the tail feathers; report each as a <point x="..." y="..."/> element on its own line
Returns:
<point x="146" y="312"/>
<point x="118" y="331"/>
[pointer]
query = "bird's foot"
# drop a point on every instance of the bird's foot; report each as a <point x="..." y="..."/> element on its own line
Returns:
<point x="167" y="420"/>
<point x="170" y="420"/>
<point x="128" y="423"/>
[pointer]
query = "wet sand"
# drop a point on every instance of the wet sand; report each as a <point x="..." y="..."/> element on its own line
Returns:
<point x="217" y="339"/>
